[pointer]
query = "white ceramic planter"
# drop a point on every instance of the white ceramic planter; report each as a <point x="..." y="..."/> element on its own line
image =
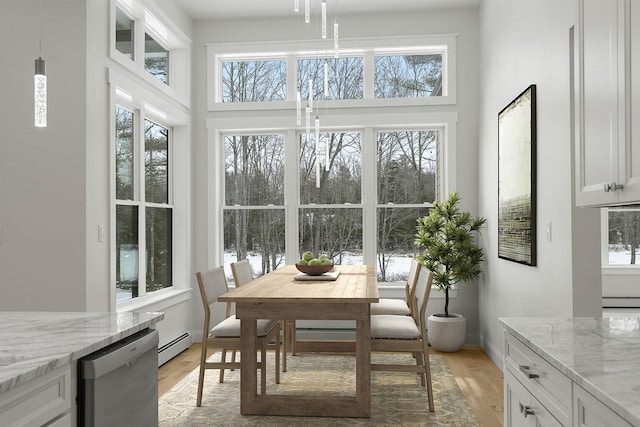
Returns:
<point x="447" y="334"/>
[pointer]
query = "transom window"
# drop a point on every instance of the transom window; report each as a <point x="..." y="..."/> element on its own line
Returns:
<point x="389" y="71"/>
<point x="151" y="47"/>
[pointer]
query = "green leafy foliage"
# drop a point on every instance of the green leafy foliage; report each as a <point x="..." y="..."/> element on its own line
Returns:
<point x="446" y="239"/>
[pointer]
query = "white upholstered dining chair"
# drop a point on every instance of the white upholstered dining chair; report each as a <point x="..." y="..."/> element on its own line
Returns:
<point x="406" y="334"/>
<point x="398" y="306"/>
<point x="226" y="334"/>
<point x="241" y="271"/>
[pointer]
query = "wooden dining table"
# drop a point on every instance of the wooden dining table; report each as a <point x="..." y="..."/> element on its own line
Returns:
<point x="277" y="295"/>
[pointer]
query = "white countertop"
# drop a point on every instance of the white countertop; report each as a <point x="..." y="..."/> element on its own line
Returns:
<point x="600" y="354"/>
<point x="34" y="343"/>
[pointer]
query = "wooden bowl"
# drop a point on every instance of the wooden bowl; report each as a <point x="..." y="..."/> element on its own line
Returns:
<point x="314" y="270"/>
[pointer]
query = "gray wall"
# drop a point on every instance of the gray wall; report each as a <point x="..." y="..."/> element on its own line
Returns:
<point x="525" y="43"/>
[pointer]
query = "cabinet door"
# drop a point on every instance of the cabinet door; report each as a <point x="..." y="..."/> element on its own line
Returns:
<point x="590" y="412"/>
<point x="598" y="154"/>
<point x="517" y="400"/>
<point x="631" y="192"/>
<point x="521" y="408"/>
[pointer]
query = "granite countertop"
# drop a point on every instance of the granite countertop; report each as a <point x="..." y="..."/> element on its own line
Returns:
<point x="34" y="343"/>
<point x="599" y="354"/>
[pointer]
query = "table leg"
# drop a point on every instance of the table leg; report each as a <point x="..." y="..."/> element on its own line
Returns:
<point x="363" y="364"/>
<point x="248" y="367"/>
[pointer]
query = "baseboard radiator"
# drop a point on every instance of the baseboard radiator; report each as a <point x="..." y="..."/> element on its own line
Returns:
<point x="174" y="347"/>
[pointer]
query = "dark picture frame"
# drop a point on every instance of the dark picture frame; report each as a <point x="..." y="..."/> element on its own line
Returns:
<point x="517" y="179"/>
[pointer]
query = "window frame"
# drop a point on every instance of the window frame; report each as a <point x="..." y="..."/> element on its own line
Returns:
<point x="367" y="48"/>
<point x="128" y="93"/>
<point x="149" y="19"/>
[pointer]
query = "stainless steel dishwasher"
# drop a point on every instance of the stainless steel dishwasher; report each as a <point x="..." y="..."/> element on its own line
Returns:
<point x="118" y="385"/>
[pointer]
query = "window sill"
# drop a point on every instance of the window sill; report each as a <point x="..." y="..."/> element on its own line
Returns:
<point x="620" y="269"/>
<point x="163" y="299"/>
<point x="397" y="290"/>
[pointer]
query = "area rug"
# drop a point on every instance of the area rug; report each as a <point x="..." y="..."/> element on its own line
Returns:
<point x="397" y="399"/>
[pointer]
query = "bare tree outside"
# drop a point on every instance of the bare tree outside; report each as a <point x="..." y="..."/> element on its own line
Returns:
<point x="335" y="229"/>
<point x="624" y="236"/>
<point x="155" y="208"/>
<point x="156" y="59"/>
<point x="408" y="76"/>
<point x="254" y="81"/>
<point x="345" y="78"/>
<point x="407" y="171"/>
<point x="254" y="198"/>
<point x="158" y="217"/>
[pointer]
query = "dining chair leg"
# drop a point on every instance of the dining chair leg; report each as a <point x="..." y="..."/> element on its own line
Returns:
<point x="278" y="337"/>
<point x="223" y="359"/>
<point x="233" y="358"/>
<point x="263" y="367"/>
<point x="285" y="335"/>
<point x="427" y="366"/>
<point x="293" y="337"/>
<point x="203" y="358"/>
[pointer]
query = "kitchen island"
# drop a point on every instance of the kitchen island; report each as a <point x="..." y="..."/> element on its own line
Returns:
<point x="39" y="353"/>
<point x="572" y="371"/>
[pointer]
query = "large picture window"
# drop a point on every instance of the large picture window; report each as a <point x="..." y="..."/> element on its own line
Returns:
<point x="343" y="164"/>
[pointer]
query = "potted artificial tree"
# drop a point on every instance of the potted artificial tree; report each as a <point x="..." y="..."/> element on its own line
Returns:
<point x="446" y="239"/>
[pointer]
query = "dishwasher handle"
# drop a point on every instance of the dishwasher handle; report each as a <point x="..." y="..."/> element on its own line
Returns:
<point x="122" y="353"/>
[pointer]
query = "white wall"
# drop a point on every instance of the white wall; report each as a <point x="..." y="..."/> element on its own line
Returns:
<point x="461" y="22"/>
<point x="523" y="43"/>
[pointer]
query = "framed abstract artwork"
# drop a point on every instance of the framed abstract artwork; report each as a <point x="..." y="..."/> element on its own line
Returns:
<point x="517" y="179"/>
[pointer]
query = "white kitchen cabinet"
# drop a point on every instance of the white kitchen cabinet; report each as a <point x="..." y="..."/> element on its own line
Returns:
<point x="45" y="400"/>
<point x="521" y="408"/>
<point x="607" y="157"/>
<point x="536" y="393"/>
<point x="590" y="412"/>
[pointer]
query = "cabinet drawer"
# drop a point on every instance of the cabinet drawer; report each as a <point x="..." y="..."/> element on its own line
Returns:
<point x="547" y="384"/>
<point x="590" y="412"/>
<point x="39" y="401"/>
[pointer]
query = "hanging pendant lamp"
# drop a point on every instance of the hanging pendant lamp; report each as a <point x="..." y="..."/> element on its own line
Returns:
<point x="40" y="94"/>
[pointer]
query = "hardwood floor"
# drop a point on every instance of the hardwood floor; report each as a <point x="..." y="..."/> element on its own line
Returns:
<point x="477" y="376"/>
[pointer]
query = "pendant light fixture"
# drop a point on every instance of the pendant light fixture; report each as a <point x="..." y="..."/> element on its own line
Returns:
<point x="309" y="107"/>
<point x="40" y="86"/>
<point x="324" y="19"/>
<point x="40" y="94"/>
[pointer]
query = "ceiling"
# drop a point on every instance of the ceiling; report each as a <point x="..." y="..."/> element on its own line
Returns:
<point x="225" y="9"/>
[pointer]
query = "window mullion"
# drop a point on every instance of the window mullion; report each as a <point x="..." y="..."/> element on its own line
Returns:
<point x="291" y="194"/>
<point x="142" y="235"/>
<point x="369" y="240"/>
<point x="368" y="75"/>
